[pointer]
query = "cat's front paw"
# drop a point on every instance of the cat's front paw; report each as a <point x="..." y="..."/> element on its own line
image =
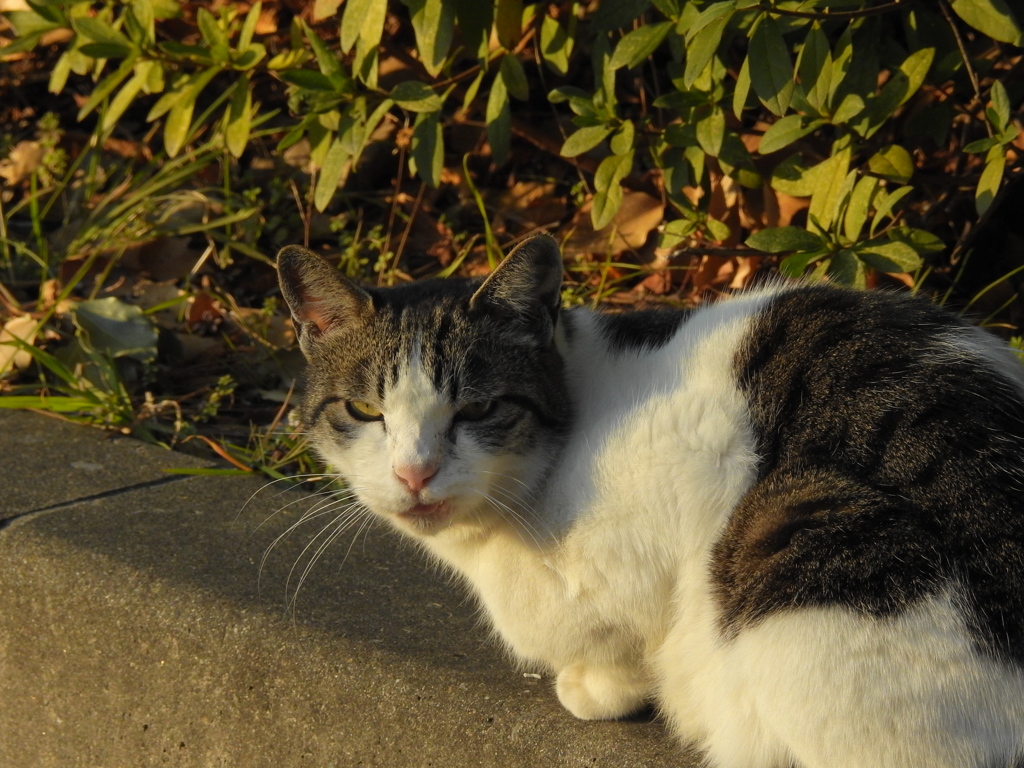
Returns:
<point x="600" y="691"/>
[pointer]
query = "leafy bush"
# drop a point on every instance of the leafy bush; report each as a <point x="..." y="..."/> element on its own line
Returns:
<point x="847" y="105"/>
<point x="828" y="137"/>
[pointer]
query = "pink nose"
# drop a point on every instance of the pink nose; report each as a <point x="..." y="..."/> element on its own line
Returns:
<point x="415" y="477"/>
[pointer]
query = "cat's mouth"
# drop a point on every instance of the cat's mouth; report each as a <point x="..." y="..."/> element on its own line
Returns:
<point x="423" y="515"/>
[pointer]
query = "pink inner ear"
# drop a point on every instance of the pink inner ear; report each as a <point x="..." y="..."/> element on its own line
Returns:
<point x="314" y="311"/>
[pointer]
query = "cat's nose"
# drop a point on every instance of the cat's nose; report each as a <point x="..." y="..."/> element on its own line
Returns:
<point x="415" y="476"/>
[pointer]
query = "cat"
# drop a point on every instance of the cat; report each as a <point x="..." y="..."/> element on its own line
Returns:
<point x="792" y="520"/>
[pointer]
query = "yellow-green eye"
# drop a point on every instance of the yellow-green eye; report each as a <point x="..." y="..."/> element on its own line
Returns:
<point x="477" y="411"/>
<point x="363" y="411"/>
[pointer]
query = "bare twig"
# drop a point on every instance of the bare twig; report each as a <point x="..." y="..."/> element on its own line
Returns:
<point x="944" y="7"/>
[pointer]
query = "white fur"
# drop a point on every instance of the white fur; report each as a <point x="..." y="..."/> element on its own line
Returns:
<point x="606" y="583"/>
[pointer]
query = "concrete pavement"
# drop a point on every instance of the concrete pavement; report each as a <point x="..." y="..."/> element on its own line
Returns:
<point x="137" y="629"/>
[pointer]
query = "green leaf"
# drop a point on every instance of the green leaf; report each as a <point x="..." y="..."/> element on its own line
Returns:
<point x="51" y="403"/>
<point x="499" y="120"/>
<point x="1009" y="135"/>
<point x="885" y="204"/>
<point x="30" y="24"/>
<point x="106" y="86"/>
<point x="814" y="67"/>
<point x="711" y="131"/>
<point x="248" y="26"/>
<point x="122" y="101"/>
<point x="369" y="127"/>
<point x="428" y="148"/>
<point x="239" y="119"/>
<point x="669" y="8"/>
<point x="742" y="91"/>
<point x="604" y="78"/>
<point x="179" y="119"/>
<point x="737" y="163"/>
<point x="675" y="232"/>
<point x="637" y="45"/>
<point x="893" y="163"/>
<point x="718" y="230"/>
<point x="212" y="34"/>
<point x="195" y="53"/>
<point x="1000" y="106"/>
<point x="920" y="240"/>
<point x="993" y="17"/>
<point x="327" y="60"/>
<point x="352" y="19"/>
<point x="307" y="79"/>
<point x="701" y="49"/>
<point x="105" y="50"/>
<point x="584" y="140"/>
<point x="470" y="98"/>
<point x="608" y="196"/>
<point x="98" y="31"/>
<point x="981" y="145"/>
<point x="555" y="45"/>
<point x="622" y="139"/>
<point x="475" y="21"/>
<point x="892" y="257"/>
<point x="508" y="22"/>
<point x="618" y="14"/>
<point x="845" y="268"/>
<point x="791" y="177"/>
<point x="115" y="328"/>
<point x="795" y="265"/>
<point x="771" y="70"/>
<point x="416" y="96"/>
<point x="250" y="57"/>
<point x="61" y="71"/>
<point x="991" y="179"/>
<point x="828" y="179"/>
<point x="434" y="24"/>
<point x="330" y="174"/>
<point x="901" y="86"/>
<point x="851" y="106"/>
<point x="842" y="56"/>
<point x="712" y="14"/>
<point x="512" y="73"/>
<point x="783" y="240"/>
<point x="785" y="131"/>
<point x="859" y="207"/>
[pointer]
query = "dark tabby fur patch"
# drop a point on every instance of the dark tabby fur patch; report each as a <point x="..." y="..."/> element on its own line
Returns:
<point x="890" y="467"/>
<point x="641" y="330"/>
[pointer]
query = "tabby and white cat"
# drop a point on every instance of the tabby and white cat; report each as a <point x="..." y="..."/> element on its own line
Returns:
<point x="793" y="519"/>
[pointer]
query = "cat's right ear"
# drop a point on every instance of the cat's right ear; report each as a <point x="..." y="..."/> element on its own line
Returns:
<point x="527" y="284"/>
<point x="320" y="298"/>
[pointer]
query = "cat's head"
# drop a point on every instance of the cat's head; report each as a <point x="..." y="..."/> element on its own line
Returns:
<point x="442" y="403"/>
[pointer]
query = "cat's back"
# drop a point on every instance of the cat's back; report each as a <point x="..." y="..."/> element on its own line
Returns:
<point x="889" y="438"/>
<point x="809" y="445"/>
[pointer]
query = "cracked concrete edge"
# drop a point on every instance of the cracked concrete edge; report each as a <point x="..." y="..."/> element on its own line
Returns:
<point x="140" y="628"/>
<point x="48" y="462"/>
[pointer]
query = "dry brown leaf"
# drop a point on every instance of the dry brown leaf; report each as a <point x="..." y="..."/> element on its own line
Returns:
<point x="12" y="358"/>
<point x="639" y="214"/>
<point x="21" y="162"/>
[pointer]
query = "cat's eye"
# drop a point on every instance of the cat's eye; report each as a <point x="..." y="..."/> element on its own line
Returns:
<point x="363" y="411"/>
<point x="477" y="411"/>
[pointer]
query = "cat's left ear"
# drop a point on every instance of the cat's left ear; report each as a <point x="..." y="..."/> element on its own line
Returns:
<point x="320" y="298"/>
<point x="528" y="283"/>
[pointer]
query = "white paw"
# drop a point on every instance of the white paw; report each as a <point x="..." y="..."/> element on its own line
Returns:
<point x="600" y="691"/>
